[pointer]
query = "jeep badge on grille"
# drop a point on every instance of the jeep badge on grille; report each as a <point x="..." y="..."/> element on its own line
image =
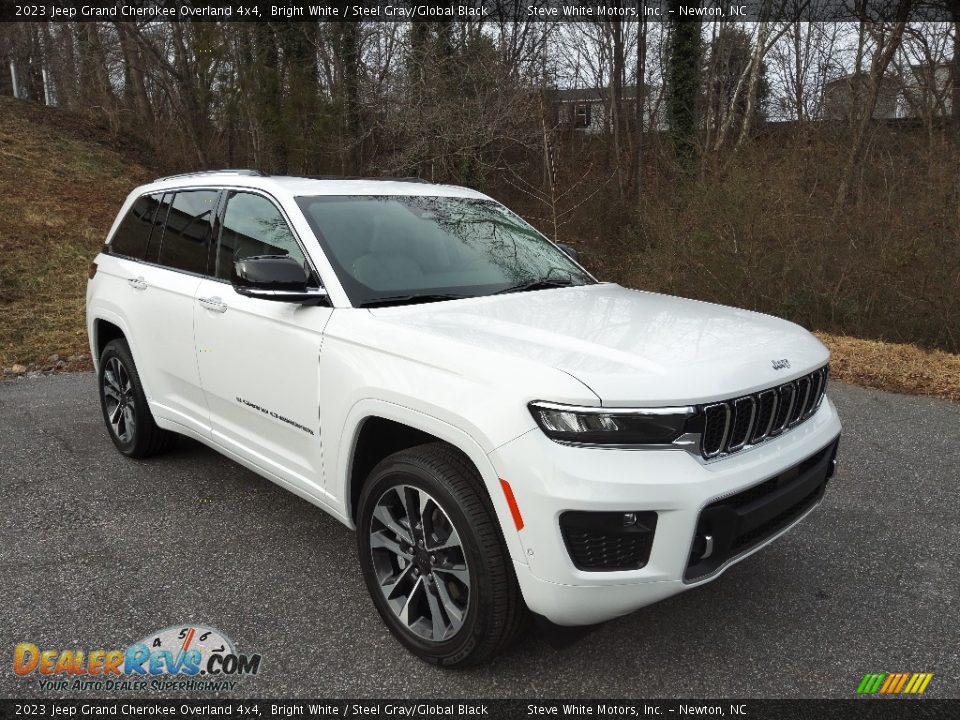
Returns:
<point x="780" y="364"/>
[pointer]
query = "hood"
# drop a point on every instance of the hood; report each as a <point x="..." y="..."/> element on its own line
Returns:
<point x="629" y="347"/>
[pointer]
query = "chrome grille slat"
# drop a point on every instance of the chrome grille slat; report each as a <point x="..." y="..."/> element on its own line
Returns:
<point x="786" y="394"/>
<point x="717" y="412"/>
<point x="816" y="384"/>
<point x="732" y="425"/>
<point x="745" y="407"/>
<point x="802" y="386"/>
<point x="766" y="408"/>
<point x="825" y="375"/>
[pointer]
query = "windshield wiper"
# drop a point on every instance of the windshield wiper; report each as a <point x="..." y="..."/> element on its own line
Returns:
<point x="537" y="285"/>
<point x="409" y="299"/>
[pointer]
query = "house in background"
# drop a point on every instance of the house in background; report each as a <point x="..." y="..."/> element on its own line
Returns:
<point x="919" y="91"/>
<point x="587" y="109"/>
<point x="843" y="97"/>
<point x="928" y="91"/>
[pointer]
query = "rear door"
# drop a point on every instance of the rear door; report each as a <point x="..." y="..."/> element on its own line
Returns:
<point x="258" y="359"/>
<point x="162" y="292"/>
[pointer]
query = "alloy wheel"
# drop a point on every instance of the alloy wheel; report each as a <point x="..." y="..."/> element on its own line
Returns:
<point x="419" y="563"/>
<point x="118" y="400"/>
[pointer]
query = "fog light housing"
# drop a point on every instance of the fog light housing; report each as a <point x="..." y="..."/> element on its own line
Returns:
<point x="608" y="541"/>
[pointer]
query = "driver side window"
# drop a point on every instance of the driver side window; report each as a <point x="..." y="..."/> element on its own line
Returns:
<point x="252" y="225"/>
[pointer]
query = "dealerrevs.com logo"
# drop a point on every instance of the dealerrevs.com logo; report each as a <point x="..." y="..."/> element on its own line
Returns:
<point x="180" y="657"/>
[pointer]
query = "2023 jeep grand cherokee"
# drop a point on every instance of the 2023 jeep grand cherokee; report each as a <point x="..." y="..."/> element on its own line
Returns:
<point x="503" y="431"/>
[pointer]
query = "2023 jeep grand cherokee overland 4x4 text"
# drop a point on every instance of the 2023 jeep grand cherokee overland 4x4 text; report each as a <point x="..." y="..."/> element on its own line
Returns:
<point x="503" y="431"/>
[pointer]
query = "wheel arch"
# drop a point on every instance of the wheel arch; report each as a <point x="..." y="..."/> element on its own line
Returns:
<point x="106" y="325"/>
<point x="376" y="429"/>
<point x="104" y="331"/>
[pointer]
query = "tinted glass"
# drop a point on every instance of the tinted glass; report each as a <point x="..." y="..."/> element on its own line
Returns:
<point x="186" y="239"/>
<point x="133" y="235"/>
<point x="252" y="225"/>
<point x="159" y="220"/>
<point x="387" y="246"/>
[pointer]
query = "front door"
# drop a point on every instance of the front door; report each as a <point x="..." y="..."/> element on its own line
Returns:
<point x="258" y="359"/>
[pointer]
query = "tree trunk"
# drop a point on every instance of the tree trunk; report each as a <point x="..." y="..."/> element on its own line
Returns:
<point x="683" y="80"/>
<point x="878" y="67"/>
<point x="615" y="30"/>
<point x="640" y="104"/>
<point x="135" y="90"/>
<point x="756" y="70"/>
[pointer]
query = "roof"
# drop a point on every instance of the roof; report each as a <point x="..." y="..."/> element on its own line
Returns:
<point x="598" y="94"/>
<point x="297" y="186"/>
<point x="858" y="79"/>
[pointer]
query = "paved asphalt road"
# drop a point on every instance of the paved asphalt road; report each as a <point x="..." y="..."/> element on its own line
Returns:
<point x="97" y="550"/>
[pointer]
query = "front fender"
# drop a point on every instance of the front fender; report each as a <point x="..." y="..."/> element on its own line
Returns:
<point x="441" y="429"/>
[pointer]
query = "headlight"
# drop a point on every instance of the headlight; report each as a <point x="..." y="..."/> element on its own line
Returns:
<point x="611" y="426"/>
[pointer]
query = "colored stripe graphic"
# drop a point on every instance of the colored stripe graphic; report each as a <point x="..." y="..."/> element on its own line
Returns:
<point x="901" y="683"/>
<point x="926" y="682"/>
<point x="915" y="682"/>
<point x="890" y="682"/>
<point x="894" y="683"/>
<point x="871" y="683"/>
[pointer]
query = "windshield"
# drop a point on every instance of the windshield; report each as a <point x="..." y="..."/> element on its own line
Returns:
<point x="394" y="249"/>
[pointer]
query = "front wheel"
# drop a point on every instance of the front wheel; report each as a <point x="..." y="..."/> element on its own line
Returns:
<point x="433" y="558"/>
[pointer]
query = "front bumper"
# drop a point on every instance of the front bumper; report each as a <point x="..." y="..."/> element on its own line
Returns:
<point x="548" y="479"/>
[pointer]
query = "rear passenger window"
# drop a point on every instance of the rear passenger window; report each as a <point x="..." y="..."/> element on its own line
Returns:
<point x="252" y="225"/>
<point x="133" y="234"/>
<point x="159" y="221"/>
<point x="186" y="239"/>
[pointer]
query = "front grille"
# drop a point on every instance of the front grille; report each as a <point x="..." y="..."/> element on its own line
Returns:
<point x="600" y="541"/>
<point x="731" y="425"/>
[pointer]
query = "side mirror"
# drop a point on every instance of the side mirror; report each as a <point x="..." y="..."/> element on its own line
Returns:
<point x="274" y="277"/>
<point x="570" y="250"/>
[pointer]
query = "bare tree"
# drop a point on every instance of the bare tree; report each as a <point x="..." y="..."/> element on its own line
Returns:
<point x="886" y="38"/>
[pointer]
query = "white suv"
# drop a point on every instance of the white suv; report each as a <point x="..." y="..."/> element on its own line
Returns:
<point x="504" y="432"/>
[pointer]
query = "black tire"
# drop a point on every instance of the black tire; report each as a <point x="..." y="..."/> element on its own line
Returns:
<point x="140" y="437"/>
<point x="495" y="611"/>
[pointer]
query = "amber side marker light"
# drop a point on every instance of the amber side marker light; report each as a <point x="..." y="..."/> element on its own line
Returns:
<point x="92" y="271"/>
<point x="512" y="503"/>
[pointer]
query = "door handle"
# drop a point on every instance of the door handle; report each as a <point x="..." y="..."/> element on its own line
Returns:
<point x="213" y="303"/>
<point x="137" y="283"/>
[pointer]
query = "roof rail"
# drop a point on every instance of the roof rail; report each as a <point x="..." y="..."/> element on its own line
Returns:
<point x="410" y="179"/>
<point x="227" y="171"/>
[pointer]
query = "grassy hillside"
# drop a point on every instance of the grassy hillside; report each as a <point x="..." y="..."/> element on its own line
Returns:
<point x="59" y="192"/>
<point x="63" y="178"/>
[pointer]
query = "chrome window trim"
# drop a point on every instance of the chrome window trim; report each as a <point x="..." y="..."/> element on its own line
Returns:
<point x="215" y="241"/>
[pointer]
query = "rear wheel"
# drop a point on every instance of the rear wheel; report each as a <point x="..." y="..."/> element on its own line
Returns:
<point x="433" y="558"/>
<point x="125" y="409"/>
